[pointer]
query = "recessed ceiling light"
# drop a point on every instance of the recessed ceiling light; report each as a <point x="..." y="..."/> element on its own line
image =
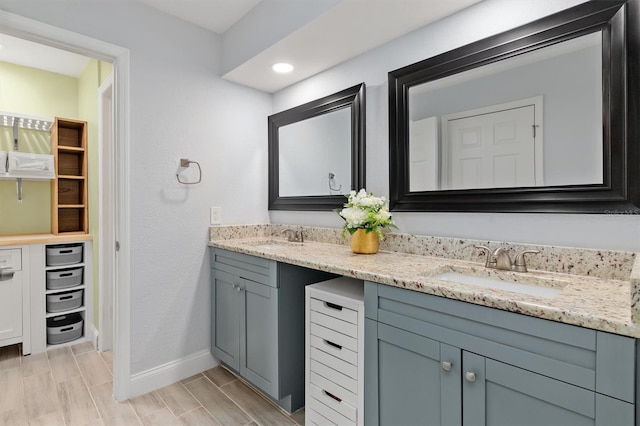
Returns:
<point x="282" y="67"/>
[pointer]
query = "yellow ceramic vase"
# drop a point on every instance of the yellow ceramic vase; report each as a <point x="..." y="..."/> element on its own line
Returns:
<point x="364" y="243"/>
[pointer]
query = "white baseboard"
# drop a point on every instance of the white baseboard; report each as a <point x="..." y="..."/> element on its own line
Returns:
<point x="93" y="335"/>
<point x="171" y="372"/>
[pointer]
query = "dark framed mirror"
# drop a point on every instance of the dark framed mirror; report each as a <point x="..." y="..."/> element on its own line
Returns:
<point x="317" y="152"/>
<point x="541" y="118"/>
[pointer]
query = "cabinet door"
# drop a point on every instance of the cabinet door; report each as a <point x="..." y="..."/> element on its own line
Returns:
<point x="11" y="307"/>
<point x="225" y="318"/>
<point x="259" y="336"/>
<point x="407" y="381"/>
<point x="495" y="393"/>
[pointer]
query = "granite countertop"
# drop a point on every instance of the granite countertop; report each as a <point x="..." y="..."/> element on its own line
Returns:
<point x="586" y="301"/>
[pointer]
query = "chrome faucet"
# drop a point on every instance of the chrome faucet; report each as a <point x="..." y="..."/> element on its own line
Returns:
<point x="293" y="236"/>
<point x="500" y="259"/>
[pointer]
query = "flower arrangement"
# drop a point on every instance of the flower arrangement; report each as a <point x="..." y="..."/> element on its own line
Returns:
<point x="364" y="211"/>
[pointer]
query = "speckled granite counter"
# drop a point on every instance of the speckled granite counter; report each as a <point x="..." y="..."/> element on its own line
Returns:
<point x="599" y="298"/>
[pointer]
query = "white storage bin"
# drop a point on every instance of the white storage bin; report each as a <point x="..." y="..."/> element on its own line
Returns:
<point x="64" y="278"/>
<point x="64" y="301"/>
<point x="31" y="166"/>
<point x="64" y="254"/>
<point x="64" y="328"/>
<point x="3" y="162"/>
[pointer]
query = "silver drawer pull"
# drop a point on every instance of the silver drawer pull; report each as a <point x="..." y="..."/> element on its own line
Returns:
<point x="333" y="306"/>
<point x="470" y="376"/>
<point x="335" y="345"/>
<point x="446" y="365"/>
<point x="332" y="396"/>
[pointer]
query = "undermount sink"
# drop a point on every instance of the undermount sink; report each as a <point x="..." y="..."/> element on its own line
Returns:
<point x="523" y="283"/>
<point x="273" y="244"/>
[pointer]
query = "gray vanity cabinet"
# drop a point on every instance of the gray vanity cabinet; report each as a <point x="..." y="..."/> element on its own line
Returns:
<point x="257" y="322"/>
<point x="435" y="361"/>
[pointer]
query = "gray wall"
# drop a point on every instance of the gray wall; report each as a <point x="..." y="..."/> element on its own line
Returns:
<point x="618" y="232"/>
<point x="179" y="107"/>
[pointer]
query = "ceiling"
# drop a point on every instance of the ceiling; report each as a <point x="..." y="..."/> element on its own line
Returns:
<point x="312" y="45"/>
<point x="216" y="15"/>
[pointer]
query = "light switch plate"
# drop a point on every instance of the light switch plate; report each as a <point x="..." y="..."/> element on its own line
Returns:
<point x="216" y="215"/>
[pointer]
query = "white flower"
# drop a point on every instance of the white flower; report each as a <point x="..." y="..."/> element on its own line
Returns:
<point x="384" y="214"/>
<point x="353" y="216"/>
<point x="365" y="211"/>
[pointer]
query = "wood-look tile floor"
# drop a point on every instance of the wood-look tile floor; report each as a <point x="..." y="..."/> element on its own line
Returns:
<point x="73" y="385"/>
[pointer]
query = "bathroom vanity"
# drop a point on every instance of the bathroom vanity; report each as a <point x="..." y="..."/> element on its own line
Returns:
<point x="453" y="352"/>
<point x="257" y="322"/>
<point x="437" y="361"/>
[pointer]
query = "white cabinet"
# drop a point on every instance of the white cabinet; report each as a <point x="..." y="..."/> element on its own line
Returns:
<point x="334" y="352"/>
<point x="14" y="299"/>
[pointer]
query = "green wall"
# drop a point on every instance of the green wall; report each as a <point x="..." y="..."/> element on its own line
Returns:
<point x="33" y="92"/>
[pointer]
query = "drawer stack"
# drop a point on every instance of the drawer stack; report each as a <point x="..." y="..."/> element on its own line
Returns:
<point x="65" y="292"/>
<point x="334" y="354"/>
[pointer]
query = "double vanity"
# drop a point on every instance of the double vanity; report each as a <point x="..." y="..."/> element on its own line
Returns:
<point x="447" y="340"/>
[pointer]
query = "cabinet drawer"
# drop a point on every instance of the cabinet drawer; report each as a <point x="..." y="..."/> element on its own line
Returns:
<point x="331" y="323"/>
<point x="11" y="258"/>
<point x="334" y="349"/>
<point x="313" y="418"/>
<point x="334" y="337"/>
<point x="334" y="402"/>
<point x="263" y="271"/>
<point x="332" y="375"/>
<point x="337" y="364"/>
<point x="328" y="385"/>
<point x="334" y="310"/>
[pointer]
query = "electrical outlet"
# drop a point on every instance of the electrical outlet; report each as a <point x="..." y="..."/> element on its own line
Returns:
<point x="216" y="215"/>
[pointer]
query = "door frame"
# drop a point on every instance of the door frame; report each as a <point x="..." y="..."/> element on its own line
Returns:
<point x="535" y="101"/>
<point x="106" y="199"/>
<point x="39" y="32"/>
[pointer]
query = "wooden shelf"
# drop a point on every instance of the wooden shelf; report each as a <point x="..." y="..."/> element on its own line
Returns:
<point x="69" y="149"/>
<point x="69" y="191"/>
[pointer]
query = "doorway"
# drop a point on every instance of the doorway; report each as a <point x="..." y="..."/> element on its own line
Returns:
<point x="498" y="146"/>
<point x="116" y="214"/>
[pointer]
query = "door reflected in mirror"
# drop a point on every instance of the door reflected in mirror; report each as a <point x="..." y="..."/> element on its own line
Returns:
<point x="530" y="120"/>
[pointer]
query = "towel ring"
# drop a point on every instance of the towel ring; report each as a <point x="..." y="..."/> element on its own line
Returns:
<point x="184" y="163"/>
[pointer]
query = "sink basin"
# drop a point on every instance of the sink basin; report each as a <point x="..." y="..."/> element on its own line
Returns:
<point x="273" y="244"/>
<point x="523" y="283"/>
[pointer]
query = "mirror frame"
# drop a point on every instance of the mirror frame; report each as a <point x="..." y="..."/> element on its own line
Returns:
<point x="620" y="191"/>
<point x="353" y="97"/>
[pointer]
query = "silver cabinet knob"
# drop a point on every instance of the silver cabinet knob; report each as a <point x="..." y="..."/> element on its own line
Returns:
<point x="446" y="365"/>
<point x="238" y="289"/>
<point x="470" y="376"/>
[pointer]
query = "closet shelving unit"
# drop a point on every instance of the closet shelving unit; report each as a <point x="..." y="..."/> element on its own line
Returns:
<point x="29" y="122"/>
<point x="69" y="191"/>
